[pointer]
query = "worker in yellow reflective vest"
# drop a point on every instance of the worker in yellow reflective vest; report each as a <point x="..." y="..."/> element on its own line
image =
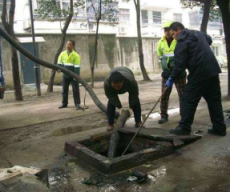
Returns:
<point x="70" y="60"/>
<point x="165" y="50"/>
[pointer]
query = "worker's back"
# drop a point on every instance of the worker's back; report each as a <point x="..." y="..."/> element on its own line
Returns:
<point x="202" y="63"/>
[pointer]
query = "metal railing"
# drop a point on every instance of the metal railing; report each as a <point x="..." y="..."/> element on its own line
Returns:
<point x="155" y="22"/>
<point x="196" y="22"/>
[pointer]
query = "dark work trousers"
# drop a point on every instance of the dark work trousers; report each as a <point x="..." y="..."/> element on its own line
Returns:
<point x="180" y="85"/>
<point x="111" y="112"/>
<point x="65" y="90"/>
<point x="210" y="90"/>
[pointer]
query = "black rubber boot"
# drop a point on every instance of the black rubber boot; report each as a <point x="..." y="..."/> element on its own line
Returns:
<point x="163" y="120"/>
<point x="214" y="132"/>
<point x="180" y="131"/>
<point x="62" y="106"/>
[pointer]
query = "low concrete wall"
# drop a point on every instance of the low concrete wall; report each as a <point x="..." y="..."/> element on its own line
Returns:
<point x="112" y="52"/>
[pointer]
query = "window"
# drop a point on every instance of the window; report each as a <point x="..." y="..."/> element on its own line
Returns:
<point x="91" y="13"/>
<point x="194" y="18"/>
<point x="65" y="5"/>
<point x="124" y="15"/>
<point x="157" y="17"/>
<point x="177" y="17"/>
<point x="215" y="50"/>
<point x="38" y="4"/>
<point x="109" y="10"/>
<point x="144" y="16"/>
<point x="81" y="13"/>
<point x="50" y="14"/>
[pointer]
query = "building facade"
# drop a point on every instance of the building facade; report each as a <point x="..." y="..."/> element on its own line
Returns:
<point x="115" y="37"/>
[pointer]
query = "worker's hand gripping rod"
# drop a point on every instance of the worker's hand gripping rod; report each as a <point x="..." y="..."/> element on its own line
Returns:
<point x="144" y="121"/>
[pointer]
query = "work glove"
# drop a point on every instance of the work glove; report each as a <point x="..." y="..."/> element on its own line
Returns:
<point x="169" y="82"/>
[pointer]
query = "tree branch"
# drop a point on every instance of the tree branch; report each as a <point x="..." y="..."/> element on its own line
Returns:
<point x="69" y="18"/>
<point x="4" y="16"/>
<point x="205" y="18"/>
<point x="98" y="18"/>
<point x="135" y="2"/>
<point x="11" y="17"/>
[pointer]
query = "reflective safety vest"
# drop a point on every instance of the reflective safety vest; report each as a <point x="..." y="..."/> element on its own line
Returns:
<point x="70" y="62"/>
<point x="166" y="53"/>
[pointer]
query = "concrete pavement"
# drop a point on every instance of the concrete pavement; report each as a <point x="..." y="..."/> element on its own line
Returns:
<point x="38" y="140"/>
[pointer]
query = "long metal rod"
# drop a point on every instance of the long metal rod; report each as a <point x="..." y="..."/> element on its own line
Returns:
<point x="144" y="122"/>
<point x="36" y="66"/>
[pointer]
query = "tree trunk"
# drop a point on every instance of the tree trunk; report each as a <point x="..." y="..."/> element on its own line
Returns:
<point x="64" y="30"/>
<point x="16" y="77"/>
<point x="224" y="8"/>
<point x="14" y="59"/>
<point x="95" y="53"/>
<point x="140" y="47"/>
<point x="95" y="45"/>
<point x="205" y="18"/>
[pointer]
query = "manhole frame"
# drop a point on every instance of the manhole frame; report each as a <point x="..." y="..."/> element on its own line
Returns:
<point x="107" y="166"/>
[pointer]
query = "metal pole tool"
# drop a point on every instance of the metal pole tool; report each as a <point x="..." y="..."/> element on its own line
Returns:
<point x="144" y="122"/>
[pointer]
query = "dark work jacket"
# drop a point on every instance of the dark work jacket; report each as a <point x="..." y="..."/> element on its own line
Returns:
<point x="193" y="52"/>
<point x="130" y="86"/>
<point x="167" y="72"/>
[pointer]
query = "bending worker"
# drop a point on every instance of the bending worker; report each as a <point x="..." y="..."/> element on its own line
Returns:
<point x="193" y="52"/>
<point x="165" y="50"/>
<point x="70" y="60"/>
<point x="119" y="81"/>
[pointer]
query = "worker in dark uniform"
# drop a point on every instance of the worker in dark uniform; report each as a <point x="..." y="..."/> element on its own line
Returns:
<point x="193" y="52"/>
<point x="119" y="81"/>
<point x="165" y="50"/>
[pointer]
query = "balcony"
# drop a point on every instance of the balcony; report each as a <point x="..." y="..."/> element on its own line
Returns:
<point x="153" y="26"/>
<point x="196" y="19"/>
<point x="211" y="24"/>
<point x="215" y="24"/>
<point x="156" y="4"/>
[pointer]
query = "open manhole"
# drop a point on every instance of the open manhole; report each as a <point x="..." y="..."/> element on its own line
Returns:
<point x="93" y="150"/>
